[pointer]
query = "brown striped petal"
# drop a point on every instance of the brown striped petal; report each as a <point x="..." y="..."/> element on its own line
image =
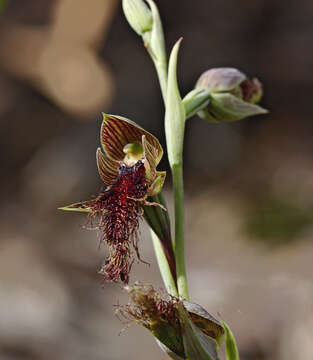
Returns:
<point x="150" y="154"/>
<point x="107" y="168"/>
<point x="117" y="131"/>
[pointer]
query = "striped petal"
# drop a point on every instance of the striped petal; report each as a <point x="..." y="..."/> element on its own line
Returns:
<point x="117" y="131"/>
<point x="157" y="183"/>
<point x="107" y="168"/>
<point x="150" y="154"/>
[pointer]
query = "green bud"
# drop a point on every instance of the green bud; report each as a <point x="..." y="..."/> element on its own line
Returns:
<point x="232" y="96"/>
<point x="138" y="15"/>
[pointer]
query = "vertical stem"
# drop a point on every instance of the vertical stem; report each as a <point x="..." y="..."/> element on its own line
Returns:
<point x="178" y="187"/>
<point x="159" y="222"/>
<point x="161" y="69"/>
<point x="164" y="267"/>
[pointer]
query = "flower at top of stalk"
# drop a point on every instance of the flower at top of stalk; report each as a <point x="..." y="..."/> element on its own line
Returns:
<point x="128" y="168"/>
<point x="183" y="329"/>
<point x="232" y="96"/>
<point x="138" y="15"/>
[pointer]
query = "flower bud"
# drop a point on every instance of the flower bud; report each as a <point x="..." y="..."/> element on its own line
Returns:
<point x="232" y="95"/>
<point x="138" y="15"/>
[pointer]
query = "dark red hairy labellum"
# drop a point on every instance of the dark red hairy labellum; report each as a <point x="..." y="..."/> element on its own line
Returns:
<point x="119" y="210"/>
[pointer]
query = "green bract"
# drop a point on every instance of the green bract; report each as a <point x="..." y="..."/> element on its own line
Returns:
<point x="175" y="112"/>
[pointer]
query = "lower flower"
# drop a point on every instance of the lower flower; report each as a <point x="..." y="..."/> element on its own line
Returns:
<point x="129" y="170"/>
<point x="183" y="329"/>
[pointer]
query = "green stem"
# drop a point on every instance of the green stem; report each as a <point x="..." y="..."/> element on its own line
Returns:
<point x="156" y="47"/>
<point x="159" y="222"/>
<point x="178" y="187"/>
<point x="164" y="266"/>
<point x="161" y="69"/>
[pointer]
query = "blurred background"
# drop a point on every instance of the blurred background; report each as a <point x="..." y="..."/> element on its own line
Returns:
<point x="249" y="185"/>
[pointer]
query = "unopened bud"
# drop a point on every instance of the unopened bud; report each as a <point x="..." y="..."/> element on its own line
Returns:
<point x="138" y="15"/>
<point x="232" y="95"/>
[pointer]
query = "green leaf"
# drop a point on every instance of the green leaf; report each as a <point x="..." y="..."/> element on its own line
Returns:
<point x="230" y="344"/>
<point x="175" y="112"/>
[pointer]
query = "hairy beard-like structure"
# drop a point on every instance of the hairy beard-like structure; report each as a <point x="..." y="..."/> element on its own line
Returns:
<point x="119" y="210"/>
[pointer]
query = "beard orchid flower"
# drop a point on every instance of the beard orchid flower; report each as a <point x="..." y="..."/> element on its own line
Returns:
<point x="128" y="169"/>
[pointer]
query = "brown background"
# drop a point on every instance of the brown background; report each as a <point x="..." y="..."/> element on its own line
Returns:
<point x="249" y="198"/>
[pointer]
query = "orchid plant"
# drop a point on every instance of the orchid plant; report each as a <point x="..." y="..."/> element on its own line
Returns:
<point x="127" y="164"/>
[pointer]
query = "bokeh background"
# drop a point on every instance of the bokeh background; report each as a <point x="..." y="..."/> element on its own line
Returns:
<point x="249" y="185"/>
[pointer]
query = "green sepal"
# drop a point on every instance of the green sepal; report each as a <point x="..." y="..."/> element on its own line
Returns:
<point x="175" y="112"/>
<point x="230" y="344"/>
<point x="77" y="207"/>
<point x="195" y="101"/>
<point x="225" y="107"/>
